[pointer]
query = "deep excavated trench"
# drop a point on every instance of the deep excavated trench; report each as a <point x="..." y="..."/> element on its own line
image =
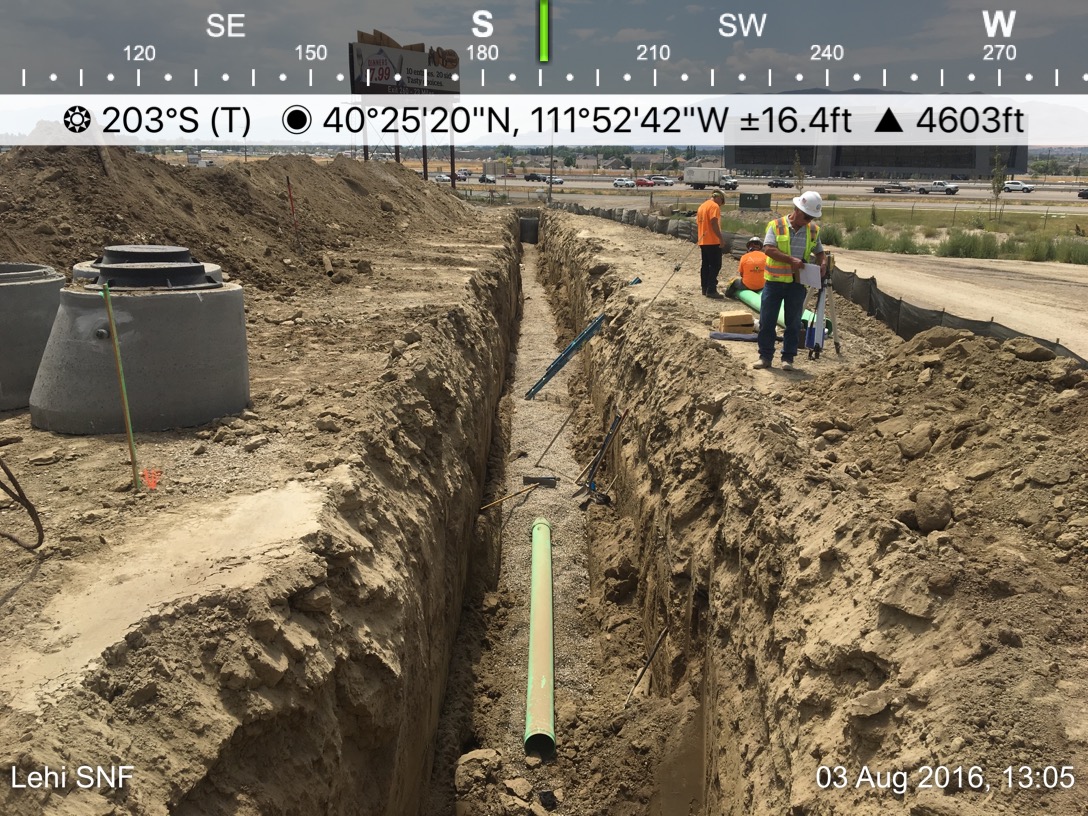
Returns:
<point x="811" y="619"/>
<point x="772" y="535"/>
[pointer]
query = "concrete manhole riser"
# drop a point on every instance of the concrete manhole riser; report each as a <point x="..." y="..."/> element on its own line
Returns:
<point x="183" y="353"/>
<point x="29" y="297"/>
<point x="146" y="254"/>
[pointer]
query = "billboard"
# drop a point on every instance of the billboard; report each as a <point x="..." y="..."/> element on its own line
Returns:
<point x="378" y="68"/>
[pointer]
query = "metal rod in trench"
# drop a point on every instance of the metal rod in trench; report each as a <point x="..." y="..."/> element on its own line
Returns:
<point x="124" y="391"/>
<point x="675" y="269"/>
<point x="570" y="416"/>
<point x="504" y="498"/>
<point x="646" y="665"/>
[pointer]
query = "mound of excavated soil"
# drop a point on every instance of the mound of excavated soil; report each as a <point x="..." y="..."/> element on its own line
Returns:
<point x="61" y="206"/>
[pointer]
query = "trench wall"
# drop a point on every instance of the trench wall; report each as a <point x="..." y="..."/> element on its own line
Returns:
<point x="680" y="475"/>
<point x="396" y="557"/>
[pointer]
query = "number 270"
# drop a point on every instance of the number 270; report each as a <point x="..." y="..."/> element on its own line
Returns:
<point x="998" y="51"/>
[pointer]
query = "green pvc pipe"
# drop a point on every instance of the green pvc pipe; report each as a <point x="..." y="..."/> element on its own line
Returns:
<point x="752" y="299"/>
<point x="540" y="692"/>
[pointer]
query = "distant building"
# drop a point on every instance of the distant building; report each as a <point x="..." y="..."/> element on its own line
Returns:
<point x="877" y="161"/>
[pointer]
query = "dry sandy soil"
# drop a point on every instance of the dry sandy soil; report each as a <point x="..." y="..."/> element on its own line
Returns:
<point x="869" y="567"/>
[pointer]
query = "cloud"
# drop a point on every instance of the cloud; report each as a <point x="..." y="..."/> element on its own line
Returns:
<point x="635" y="35"/>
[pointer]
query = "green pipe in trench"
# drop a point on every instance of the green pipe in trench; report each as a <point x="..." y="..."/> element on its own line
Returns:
<point x="540" y="693"/>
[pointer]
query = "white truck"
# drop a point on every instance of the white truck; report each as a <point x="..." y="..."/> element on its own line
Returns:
<point x="700" y="177"/>
<point x="938" y="187"/>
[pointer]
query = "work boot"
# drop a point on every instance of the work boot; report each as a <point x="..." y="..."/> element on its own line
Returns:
<point x="763" y="363"/>
<point x="787" y="365"/>
<point x="714" y="295"/>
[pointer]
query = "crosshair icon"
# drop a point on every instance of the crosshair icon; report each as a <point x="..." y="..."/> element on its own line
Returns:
<point x="296" y="119"/>
<point x="77" y="119"/>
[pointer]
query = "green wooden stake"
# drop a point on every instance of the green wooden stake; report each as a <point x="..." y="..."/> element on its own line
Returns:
<point x="124" y="391"/>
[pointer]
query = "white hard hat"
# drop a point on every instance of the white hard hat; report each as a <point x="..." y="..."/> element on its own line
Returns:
<point x="810" y="203"/>
<point x="755" y="239"/>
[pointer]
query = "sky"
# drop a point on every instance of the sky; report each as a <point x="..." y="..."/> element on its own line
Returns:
<point x="881" y="43"/>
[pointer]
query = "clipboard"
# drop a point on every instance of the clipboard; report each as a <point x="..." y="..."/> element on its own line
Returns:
<point x="810" y="275"/>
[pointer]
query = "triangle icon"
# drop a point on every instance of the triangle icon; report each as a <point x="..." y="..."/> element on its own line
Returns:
<point x="888" y="123"/>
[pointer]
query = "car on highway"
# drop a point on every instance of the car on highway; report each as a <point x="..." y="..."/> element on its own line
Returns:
<point x="662" y="181"/>
<point x="534" y="177"/>
<point x="1082" y="194"/>
<point x="729" y="183"/>
<point x="780" y="182"/>
<point x="643" y="182"/>
<point x="1017" y="187"/>
<point x="463" y="175"/>
<point x="623" y="182"/>
<point x="553" y="180"/>
<point x="441" y="178"/>
<point x="486" y="179"/>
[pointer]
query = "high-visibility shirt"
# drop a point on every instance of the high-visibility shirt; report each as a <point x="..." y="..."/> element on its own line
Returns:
<point x="751" y="269"/>
<point x="709" y="213"/>
<point x="780" y="228"/>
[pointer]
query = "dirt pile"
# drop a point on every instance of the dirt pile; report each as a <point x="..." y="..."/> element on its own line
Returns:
<point x="873" y="566"/>
<point x="63" y="205"/>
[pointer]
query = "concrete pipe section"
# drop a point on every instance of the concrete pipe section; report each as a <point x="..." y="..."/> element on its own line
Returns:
<point x="29" y="297"/>
<point x="182" y="336"/>
<point x="141" y="253"/>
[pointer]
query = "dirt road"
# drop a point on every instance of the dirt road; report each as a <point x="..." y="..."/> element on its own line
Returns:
<point x="1041" y="299"/>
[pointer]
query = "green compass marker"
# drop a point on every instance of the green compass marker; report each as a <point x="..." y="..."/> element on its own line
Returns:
<point x="543" y="33"/>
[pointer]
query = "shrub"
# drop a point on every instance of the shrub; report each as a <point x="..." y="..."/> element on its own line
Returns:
<point x="960" y="244"/>
<point x="1038" y="249"/>
<point x="1070" y="250"/>
<point x="867" y="238"/>
<point x="905" y="244"/>
<point x="930" y="231"/>
<point x="874" y="218"/>
<point x="1011" y="247"/>
<point x="832" y="235"/>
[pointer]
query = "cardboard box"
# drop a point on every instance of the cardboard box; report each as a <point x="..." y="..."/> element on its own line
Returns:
<point x="736" y="322"/>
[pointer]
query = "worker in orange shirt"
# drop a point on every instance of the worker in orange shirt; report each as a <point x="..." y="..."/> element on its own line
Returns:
<point x="711" y="242"/>
<point x="751" y="265"/>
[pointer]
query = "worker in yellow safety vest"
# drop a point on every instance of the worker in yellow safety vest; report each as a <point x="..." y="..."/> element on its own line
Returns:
<point x="791" y="242"/>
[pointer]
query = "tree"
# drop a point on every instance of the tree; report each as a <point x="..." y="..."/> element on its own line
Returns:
<point x="568" y="161"/>
<point x="997" y="179"/>
<point x="798" y="172"/>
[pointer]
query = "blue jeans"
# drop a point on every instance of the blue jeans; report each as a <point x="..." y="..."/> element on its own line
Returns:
<point x="774" y="295"/>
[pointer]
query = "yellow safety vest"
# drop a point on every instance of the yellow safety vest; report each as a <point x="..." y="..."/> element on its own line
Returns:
<point x="777" y="270"/>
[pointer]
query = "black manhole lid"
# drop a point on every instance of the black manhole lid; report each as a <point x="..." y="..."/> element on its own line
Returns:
<point x="22" y="272"/>
<point x="156" y="275"/>
<point x="144" y="253"/>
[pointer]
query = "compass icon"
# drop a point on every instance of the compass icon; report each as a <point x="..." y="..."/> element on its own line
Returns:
<point x="77" y="119"/>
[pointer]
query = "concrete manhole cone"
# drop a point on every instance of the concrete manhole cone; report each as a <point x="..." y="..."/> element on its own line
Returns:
<point x="182" y="337"/>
